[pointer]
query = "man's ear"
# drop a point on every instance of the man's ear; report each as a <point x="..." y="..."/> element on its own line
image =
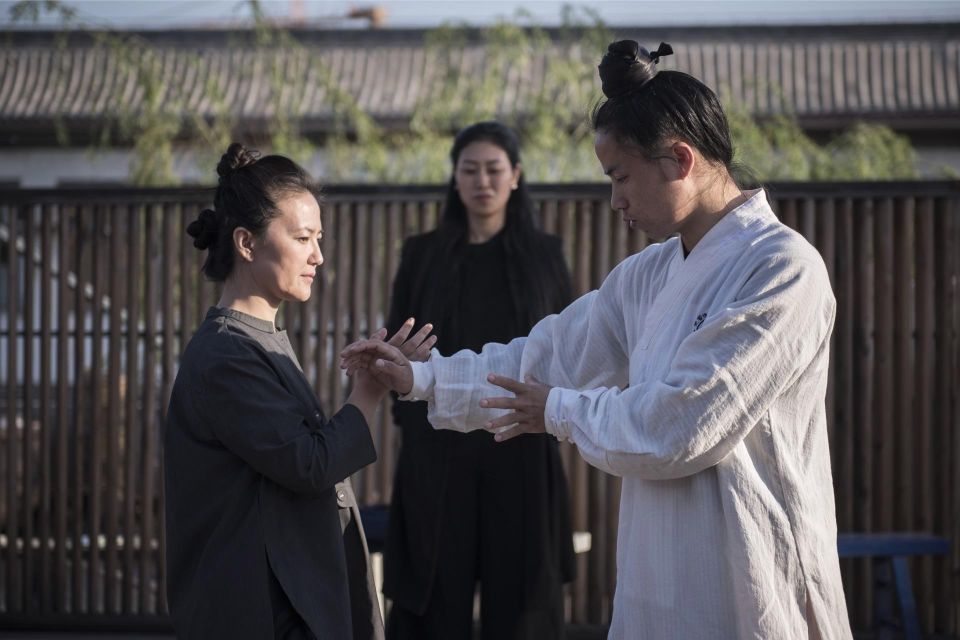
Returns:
<point x="243" y="242"/>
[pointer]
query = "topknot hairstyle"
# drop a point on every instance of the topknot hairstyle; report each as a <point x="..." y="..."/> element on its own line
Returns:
<point x="247" y="195"/>
<point x="627" y="66"/>
<point x="646" y="108"/>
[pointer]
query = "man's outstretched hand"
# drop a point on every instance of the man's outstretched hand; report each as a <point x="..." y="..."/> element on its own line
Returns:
<point x="528" y="404"/>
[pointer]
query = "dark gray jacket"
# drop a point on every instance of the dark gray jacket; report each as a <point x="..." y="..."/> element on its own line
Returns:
<point x="253" y="477"/>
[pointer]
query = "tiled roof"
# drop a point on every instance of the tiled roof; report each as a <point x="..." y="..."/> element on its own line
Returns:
<point x="908" y="75"/>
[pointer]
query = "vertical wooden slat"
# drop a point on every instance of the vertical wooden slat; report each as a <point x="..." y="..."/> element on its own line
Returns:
<point x="882" y="468"/>
<point x="14" y="584"/>
<point x="188" y="278"/>
<point x="167" y="264"/>
<point x="953" y="250"/>
<point x="112" y="428"/>
<point x="903" y="366"/>
<point x="132" y="440"/>
<point x="341" y="283"/>
<point x="367" y="257"/>
<point x="202" y="298"/>
<point x="827" y="244"/>
<point x="945" y="286"/>
<point x="168" y="269"/>
<point x="81" y="400"/>
<point x="29" y="429"/>
<point x="95" y="428"/>
<point x="392" y="246"/>
<point x="548" y="215"/>
<point x="788" y="213"/>
<point x="864" y="372"/>
<point x="64" y="266"/>
<point x="149" y="415"/>
<point x="807" y="220"/>
<point x="926" y="363"/>
<point x="46" y="408"/>
<point x="843" y="419"/>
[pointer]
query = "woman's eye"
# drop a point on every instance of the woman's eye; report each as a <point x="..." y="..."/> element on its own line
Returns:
<point x="620" y="179"/>
<point x="303" y="239"/>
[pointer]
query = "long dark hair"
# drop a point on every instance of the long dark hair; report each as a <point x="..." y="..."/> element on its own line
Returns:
<point x="535" y="277"/>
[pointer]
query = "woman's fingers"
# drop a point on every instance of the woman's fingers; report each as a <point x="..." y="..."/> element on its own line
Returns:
<point x="398" y="338"/>
<point x="372" y="347"/>
<point x="417" y="339"/>
<point x="422" y="354"/>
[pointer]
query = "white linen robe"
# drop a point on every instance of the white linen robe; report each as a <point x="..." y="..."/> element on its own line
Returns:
<point x="701" y="382"/>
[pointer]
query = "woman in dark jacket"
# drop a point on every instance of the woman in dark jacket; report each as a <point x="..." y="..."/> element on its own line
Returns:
<point x="485" y="275"/>
<point x="263" y="534"/>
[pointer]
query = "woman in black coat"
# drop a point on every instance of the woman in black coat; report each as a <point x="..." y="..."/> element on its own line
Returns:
<point x="485" y="275"/>
<point x="263" y="534"/>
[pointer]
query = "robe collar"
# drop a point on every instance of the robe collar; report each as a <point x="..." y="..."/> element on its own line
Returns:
<point x="754" y="212"/>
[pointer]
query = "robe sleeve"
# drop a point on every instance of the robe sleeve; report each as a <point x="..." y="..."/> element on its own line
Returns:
<point x="253" y="415"/>
<point x="584" y="346"/>
<point x="722" y="380"/>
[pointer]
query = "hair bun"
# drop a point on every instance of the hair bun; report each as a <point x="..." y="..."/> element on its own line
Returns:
<point x="627" y="66"/>
<point x="236" y="157"/>
<point x="205" y="229"/>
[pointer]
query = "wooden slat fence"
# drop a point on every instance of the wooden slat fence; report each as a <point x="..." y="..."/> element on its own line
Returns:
<point x="101" y="292"/>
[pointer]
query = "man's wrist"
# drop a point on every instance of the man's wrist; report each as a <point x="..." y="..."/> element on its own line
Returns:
<point x="423" y="382"/>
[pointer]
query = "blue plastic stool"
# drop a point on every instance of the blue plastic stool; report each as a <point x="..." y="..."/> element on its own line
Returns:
<point x="891" y="576"/>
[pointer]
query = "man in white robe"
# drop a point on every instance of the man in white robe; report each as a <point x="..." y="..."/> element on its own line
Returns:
<point x="700" y="380"/>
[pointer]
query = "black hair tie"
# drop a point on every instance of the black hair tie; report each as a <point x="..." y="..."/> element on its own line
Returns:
<point x="627" y="66"/>
<point x="663" y="50"/>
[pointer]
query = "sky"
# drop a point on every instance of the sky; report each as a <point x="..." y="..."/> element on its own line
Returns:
<point x="427" y="13"/>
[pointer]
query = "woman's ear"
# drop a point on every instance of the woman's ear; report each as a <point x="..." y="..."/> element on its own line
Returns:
<point x="686" y="158"/>
<point x="243" y="242"/>
<point x="517" y="172"/>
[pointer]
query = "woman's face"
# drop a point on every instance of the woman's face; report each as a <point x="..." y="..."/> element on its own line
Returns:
<point x="644" y="191"/>
<point x="285" y="258"/>
<point x="484" y="179"/>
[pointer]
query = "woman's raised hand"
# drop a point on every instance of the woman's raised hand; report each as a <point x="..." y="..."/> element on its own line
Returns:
<point x="389" y="362"/>
<point x="416" y="347"/>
